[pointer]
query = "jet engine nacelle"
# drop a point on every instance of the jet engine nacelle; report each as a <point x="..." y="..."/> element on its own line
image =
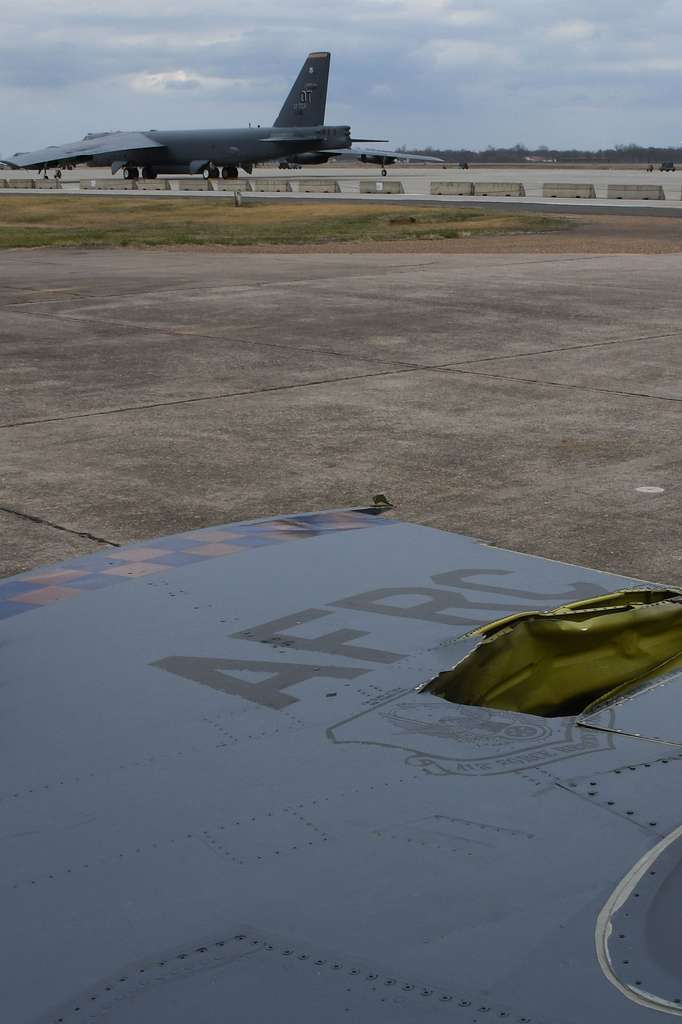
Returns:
<point x="384" y="161"/>
<point x="308" y="158"/>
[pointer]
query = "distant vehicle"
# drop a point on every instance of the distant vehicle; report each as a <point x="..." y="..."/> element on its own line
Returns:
<point x="668" y="165"/>
<point x="298" y="135"/>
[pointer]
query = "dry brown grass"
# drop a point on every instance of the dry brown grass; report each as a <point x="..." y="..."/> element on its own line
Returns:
<point x="28" y="221"/>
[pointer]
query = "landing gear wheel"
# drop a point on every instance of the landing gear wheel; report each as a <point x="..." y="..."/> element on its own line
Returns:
<point x="384" y="172"/>
<point x="206" y="173"/>
<point x="148" y="173"/>
<point x="230" y="173"/>
<point x="131" y="173"/>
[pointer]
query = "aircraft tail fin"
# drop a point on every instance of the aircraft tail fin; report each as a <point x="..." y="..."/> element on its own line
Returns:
<point x="306" y="104"/>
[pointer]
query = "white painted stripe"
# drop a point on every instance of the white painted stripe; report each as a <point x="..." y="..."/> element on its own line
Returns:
<point x="604" y="930"/>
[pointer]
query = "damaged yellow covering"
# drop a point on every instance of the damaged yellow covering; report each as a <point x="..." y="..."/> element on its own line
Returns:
<point x="559" y="662"/>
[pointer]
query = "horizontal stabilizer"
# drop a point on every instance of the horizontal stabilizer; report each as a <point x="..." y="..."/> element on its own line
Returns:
<point x="381" y="156"/>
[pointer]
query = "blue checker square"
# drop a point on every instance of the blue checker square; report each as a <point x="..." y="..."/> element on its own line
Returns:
<point x="95" y="582"/>
<point x="178" y="559"/>
<point x="177" y="542"/>
<point x="91" y="563"/>
<point x="253" y="540"/>
<point x="15" y="588"/>
<point x="7" y="609"/>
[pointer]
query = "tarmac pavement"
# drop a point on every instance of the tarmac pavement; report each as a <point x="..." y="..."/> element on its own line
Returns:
<point x="522" y="399"/>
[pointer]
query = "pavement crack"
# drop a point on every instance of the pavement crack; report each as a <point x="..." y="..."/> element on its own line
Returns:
<point x="559" y="384"/>
<point x="175" y="332"/>
<point x="215" y="397"/>
<point x="15" y="303"/>
<point x="41" y="521"/>
<point x="563" y="348"/>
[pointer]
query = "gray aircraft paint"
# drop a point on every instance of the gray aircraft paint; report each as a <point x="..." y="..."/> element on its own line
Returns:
<point x="223" y="796"/>
<point x="298" y="129"/>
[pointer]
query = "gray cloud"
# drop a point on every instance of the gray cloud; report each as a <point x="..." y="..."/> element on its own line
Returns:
<point x="417" y="71"/>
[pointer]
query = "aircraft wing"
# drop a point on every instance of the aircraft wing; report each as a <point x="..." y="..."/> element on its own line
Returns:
<point x="106" y="144"/>
<point x="379" y="155"/>
<point x="224" y="796"/>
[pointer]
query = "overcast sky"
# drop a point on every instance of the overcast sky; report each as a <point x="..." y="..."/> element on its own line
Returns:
<point x="417" y="72"/>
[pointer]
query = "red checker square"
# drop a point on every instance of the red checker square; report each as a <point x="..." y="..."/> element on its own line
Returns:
<point x="138" y="554"/>
<point x="214" y="550"/>
<point x="286" y="526"/>
<point x="137" y="569"/>
<point x="46" y="595"/>
<point x="59" y="576"/>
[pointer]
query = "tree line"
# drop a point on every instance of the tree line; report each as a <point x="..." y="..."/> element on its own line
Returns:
<point x="628" y="154"/>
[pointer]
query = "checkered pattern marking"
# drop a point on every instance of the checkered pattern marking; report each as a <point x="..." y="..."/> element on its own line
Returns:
<point x="41" y="587"/>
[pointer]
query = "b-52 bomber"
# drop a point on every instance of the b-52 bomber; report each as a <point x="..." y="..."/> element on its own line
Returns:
<point x="334" y="767"/>
<point x="298" y="135"/>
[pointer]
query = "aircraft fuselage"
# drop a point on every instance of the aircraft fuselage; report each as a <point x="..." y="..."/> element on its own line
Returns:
<point x="191" y="151"/>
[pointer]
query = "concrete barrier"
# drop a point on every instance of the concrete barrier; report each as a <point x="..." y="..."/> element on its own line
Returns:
<point x="153" y="184"/>
<point x="318" y="185"/>
<point x="231" y="185"/>
<point x="193" y="185"/>
<point x="372" y="186"/>
<point x="452" y="188"/>
<point x="635" y="192"/>
<point x="269" y="185"/>
<point x="499" y="188"/>
<point x="108" y="184"/>
<point x="19" y="183"/>
<point x="564" y="190"/>
<point x="47" y="183"/>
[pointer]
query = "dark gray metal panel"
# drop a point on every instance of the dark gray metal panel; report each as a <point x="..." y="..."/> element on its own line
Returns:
<point x="300" y="793"/>
<point x="637" y="933"/>
<point x="653" y="712"/>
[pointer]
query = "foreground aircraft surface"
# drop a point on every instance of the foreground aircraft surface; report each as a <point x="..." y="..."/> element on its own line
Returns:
<point x="228" y="796"/>
<point x="299" y="133"/>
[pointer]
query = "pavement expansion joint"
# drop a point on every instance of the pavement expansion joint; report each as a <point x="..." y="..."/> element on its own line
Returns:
<point x="213" y="398"/>
<point x="560" y="384"/>
<point x="57" y="526"/>
<point x="563" y="348"/>
<point x="178" y="333"/>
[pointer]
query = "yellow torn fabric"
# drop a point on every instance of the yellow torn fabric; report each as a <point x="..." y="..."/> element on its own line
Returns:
<point x="559" y="662"/>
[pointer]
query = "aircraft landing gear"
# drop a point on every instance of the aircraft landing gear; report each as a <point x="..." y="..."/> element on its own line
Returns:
<point x="384" y="172"/>
<point x="211" y="171"/>
<point x="230" y="173"/>
<point x="148" y="173"/>
<point x="131" y="173"/>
